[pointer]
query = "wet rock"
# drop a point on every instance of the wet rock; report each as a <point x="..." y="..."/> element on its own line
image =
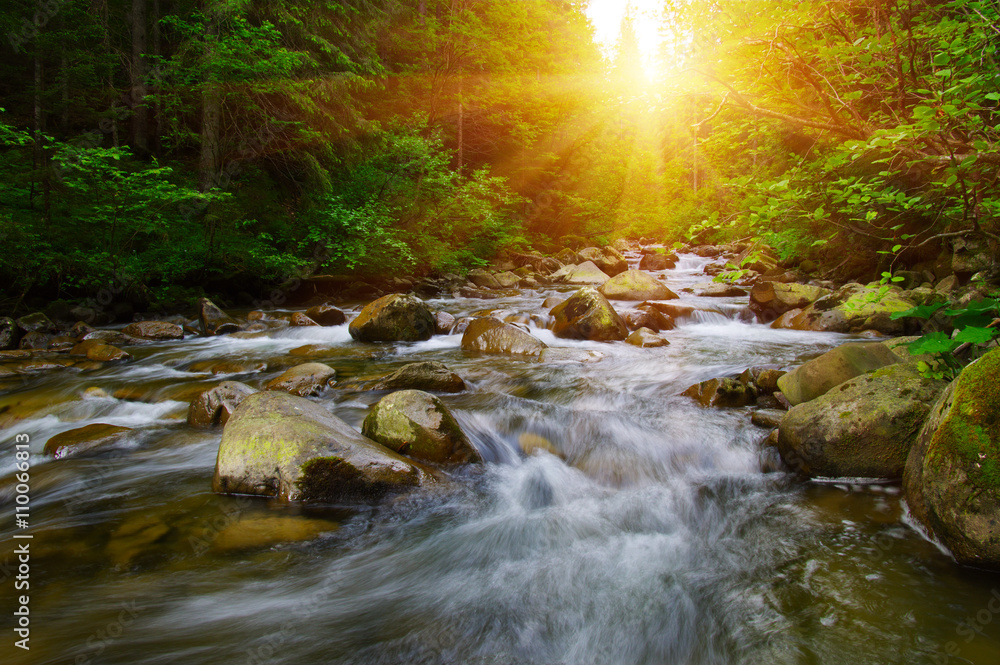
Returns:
<point x="656" y="262"/>
<point x="215" y="405"/>
<point x="671" y="309"/>
<point x="725" y="392"/>
<point x="393" y="318"/>
<point x="327" y="315"/>
<point x="91" y="439"/>
<point x="508" y="280"/>
<point x="768" y="419"/>
<point x="854" y="308"/>
<point x="300" y="320"/>
<point x="430" y="376"/>
<point x="952" y="476"/>
<point x="304" y="380"/>
<point x="262" y="532"/>
<point x="771" y="299"/>
<point x="533" y="444"/>
<point x="483" y="279"/>
<point x="718" y="290"/>
<point x="607" y="259"/>
<point x="62" y="343"/>
<point x="277" y="444"/>
<point x="568" y="257"/>
<point x="646" y="339"/>
<point x="213" y="320"/>
<point x="587" y="314"/>
<point x="812" y="379"/>
<point x="765" y="379"/>
<point x="36" y="322"/>
<point x="647" y="317"/>
<point x="9" y="333"/>
<point x="443" y="323"/>
<point x="863" y="428"/>
<point x="636" y="285"/>
<point x="112" y="337"/>
<point x="585" y="273"/>
<point x="228" y="366"/>
<point x="35" y="341"/>
<point x="418" y="425"/>
<point x="489" y="335"/>
<point x="154" y="330"/>
<point x="551" y="302"/>
<point x="106" y="353"/>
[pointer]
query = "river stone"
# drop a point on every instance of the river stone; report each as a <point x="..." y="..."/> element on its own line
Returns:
<point x="154" y="330"/>
<point x="214" y="321"/>
<point x="483" y="279"/>
<point x="304" y="380"/>
<point x="106" y="353"/>
<point x="854" y="308"/>
<point x="260" y="532"/>
<point x="812" y="379"/>
<point x="36" y="322"/>
<point x="718" y="290"/>
<point x="587" y="314"/>
<point x="418" y="425"/>
<point x="952" y="478"/>
<point x="608" y="260"/>
<point x="636" y="285"/>
<point x="228" y="366"/>
<point x="507" y="280"/>
<point x="300" y="320"/>
<point x="489" y="335"/>
<point x="768" y="419"/>
<point x="9" y="333"/>
<point x="568" y="257"/>
<point x="393" y="318"/>
<point x="646" y="317"/>
<point x="327" y="315"/>
<point x="771" y="299"/>
<point x="280" y="445"/>
<point x="862" y="428"/>
<point x="443" y="323"/>
<point x="585" y="273"/>
<point x="656" y="262"/>
<point x="34" y="341"/>
<point x="216" y="405"/>
<point x="727" y="392"/>
<point x="646" y="338"/>
<point x="429" y="375"/>
<point x="91" y="439"/>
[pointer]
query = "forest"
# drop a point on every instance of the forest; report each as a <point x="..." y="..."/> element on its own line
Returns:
<point x="171" y="149"/>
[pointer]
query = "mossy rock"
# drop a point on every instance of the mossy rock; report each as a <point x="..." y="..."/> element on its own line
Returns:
<point x="636" y="285"/>
<point x="587" y="314"/>
<point x="418" y="425"/>
<point x="771" y="299"/>
<point x="608" y="260"/>
<point x="726" y="392"/>
<point x="87" y="440"/>
<point x="393" y="318"/>
<point x="304" y="380"/>
<point x="578" y="275"/>
<point x="215" y="406"/>
<point x="814" y="378"/>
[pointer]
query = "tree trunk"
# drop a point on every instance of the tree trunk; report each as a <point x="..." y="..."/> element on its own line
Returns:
<point x="461" y="126"/>
<point x="211" y="118"/>
<point x="139" y="138"/>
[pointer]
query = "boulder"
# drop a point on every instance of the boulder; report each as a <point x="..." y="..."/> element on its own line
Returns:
<point x="393" y="318"/>
<point x="9" y="333"/>
<point x="952" y="476"/>
<point x="213" y="320"/>
<point x="483" y="279"/>
<point x="585" y="273"/>
<point x="284" y="446"/>
<point x="646" y="317"/>
<point x="587" y="314"/>
<point x="301" y="320"/>
<point x="718" y="290"/>
<point x="304" y="380"/>
<point x="507" y="280"/>
<point x="216" y="405"/>
<point x="646" y="339"/>
<point x="154" y="330"/>
<point x="327" y="315"/>
<point x="725" y="392"/>
<point x="429" y="375"/>
<point x="443" y="323"/>
<point x="658" y="261"/>
<point x="36" y="322"/>
<point x="768" y="300"/>
<point x="90" y="439"/>
<point x="812" y="379"/>
<point x="636" y="285"/>
<point x="106" y="353"/>
<point x="862" y="428"/>
<point x="489" y="335"/>
<point x="768" y="419"/>
<point x="608" y="260"/>
<point x="568" y="257"/>
<point x="418" y="425"/>
<point x="34" y="341"/>
<point x="855" y="308"/>
<point x="671" y="309"/>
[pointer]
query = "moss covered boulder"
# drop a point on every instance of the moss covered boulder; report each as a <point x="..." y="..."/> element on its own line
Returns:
<point x="418" y="425"/>
<point x="854" y="308"/>
<point x="952" y="478"/>
<point x="87" y="440"/>
<point x="215" y="406"/>
<point x="725" y="392"/>
<point x="768" y="300"/>
<point x="587" y="314"/>
<point x="428" y="375"/>
<point x="584" y="273"/>
<point x="283" y="446"/>
<point x="812" y="379"/>
<point x="304" y="380"/>
<point x="863" y="427"/>
<point x="394" y="318"/>
<point x="635" y="285"/>
<point x="489" y="335"/>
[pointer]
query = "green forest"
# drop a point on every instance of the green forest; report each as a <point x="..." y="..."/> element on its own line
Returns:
<point x="181" y="148"/>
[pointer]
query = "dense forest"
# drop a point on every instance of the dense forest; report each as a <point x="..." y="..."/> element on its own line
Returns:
<point x="167" y="149"/>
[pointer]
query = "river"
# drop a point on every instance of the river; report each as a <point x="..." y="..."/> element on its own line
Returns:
<point x="657" y="539"/>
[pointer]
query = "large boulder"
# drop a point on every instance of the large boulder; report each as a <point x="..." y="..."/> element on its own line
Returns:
<point x="587" y="314"/>
<point x="864" y="427"/>
<point x="585" y="273"/>
<point x="609" y="260"/>
<point x="304" y="380"/>
<point x="280" y="445"/>
<point x="36" y="322"/>
<point x="9" y="333"/>
<point x="154" y="330"/>
<point x="213" y="320"/>
<point x="327" y="315"/>
<point x="216" y="405"/>
<point x="428" y="375"/>
<point x="853" y="308"/>
<point x="952" y="477"/>
<point x="636" y="285"/>
<point x="483" y="279"/>
<point x="489" y="335"/>
<point x="418" y="425"/>
<point x="393" y="318"/>
<point x="90" y="439"/>
<point x="658" y="261"/>
<point x="812" y="379"/>
<point x="646" y="317"/>
<point x="771" y="299"/>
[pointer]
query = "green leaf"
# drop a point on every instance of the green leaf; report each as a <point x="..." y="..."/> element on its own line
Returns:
<point x="937" y="342"/>
<point x="975" y="335"/>
<point x="918" y="312"/>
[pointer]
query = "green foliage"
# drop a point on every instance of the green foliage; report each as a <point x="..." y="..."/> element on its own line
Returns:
<point x="973" y="325"/>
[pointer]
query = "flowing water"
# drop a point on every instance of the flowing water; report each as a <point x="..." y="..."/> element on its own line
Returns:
<point x="654" y="539"/>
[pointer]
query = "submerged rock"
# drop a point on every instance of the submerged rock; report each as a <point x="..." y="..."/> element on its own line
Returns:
<point x="418" y="425"/>
<point x="636" y="285"/>
<point x="304" y="380"/>
<point x="812" y="379"/>
<point x="216" y="405"/>
<point x="393" y="318"/>
<point x="90" y="439"/>
<point x="284" y="446"/>
<point x="430" y="375"/>
<point x="587" y="314"/>
<point x="489" y="335"/>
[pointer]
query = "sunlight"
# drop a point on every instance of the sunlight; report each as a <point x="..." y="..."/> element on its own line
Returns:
<point x="606" y="15"/>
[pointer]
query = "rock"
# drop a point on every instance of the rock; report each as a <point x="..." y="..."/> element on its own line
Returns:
<point x="533" y="444"/>
<point x="768" y="419"/>
<point x="718" y="290"/>
<point x="489" y="335"/>
<point x="34" y="341"/>
<point x="154" y="330"/>
<point x="393" y="318"/>
<point x="507" y="280"/>
<point x="9" y="333"/>
<point x="607" y="259"/>
<point x="483" y="279"/>
<point x="418" y="425"/>
<point x="551" y="302"/>
<point x="947" y="284"/>
<point x="430" y="375"/>
<point x="862" y="428"/>
<point x="568" y="257"/>
<point x="812" y="379"/>
<point x="327" y="315"/>
<point x="261" y="532"/>
<point x="36" y="322"/>
<point x="673" y="310"/>
<point x="106" y="353"/>
<point x="304" y="380"/>
<point x="112" y="337"/>
<point x="213" y="320"/>
<point x="62" y="343"/>
<point x="585" y="273"/>
<point x="443" y="323"/>
<point x="636" y="285"/>
<point x="229" y="366"/>
<point x="487" y="294"/>
<point x="765" y="379"/>
<point x="656" y="262"/>
<point x="971" y="255"/>
<point x="300" y="320"/>
<point x="280" y="445"/>
<point x="647" y="317"/>
<point x="646" y="338"/>
<point x="952" y="476"/>
<point x="91" y="439"/>
<point x="771" y="299"/>
<point x="855" y="308"/>
<point x="721" y="393"/>
<point x="587" y="314"/>
<point x="215" y="405"/>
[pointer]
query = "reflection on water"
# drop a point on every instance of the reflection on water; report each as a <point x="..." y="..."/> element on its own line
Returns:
<point x="653" y="537"/>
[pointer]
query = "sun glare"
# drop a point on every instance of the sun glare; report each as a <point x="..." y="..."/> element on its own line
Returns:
<point x="606" y="15"/>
